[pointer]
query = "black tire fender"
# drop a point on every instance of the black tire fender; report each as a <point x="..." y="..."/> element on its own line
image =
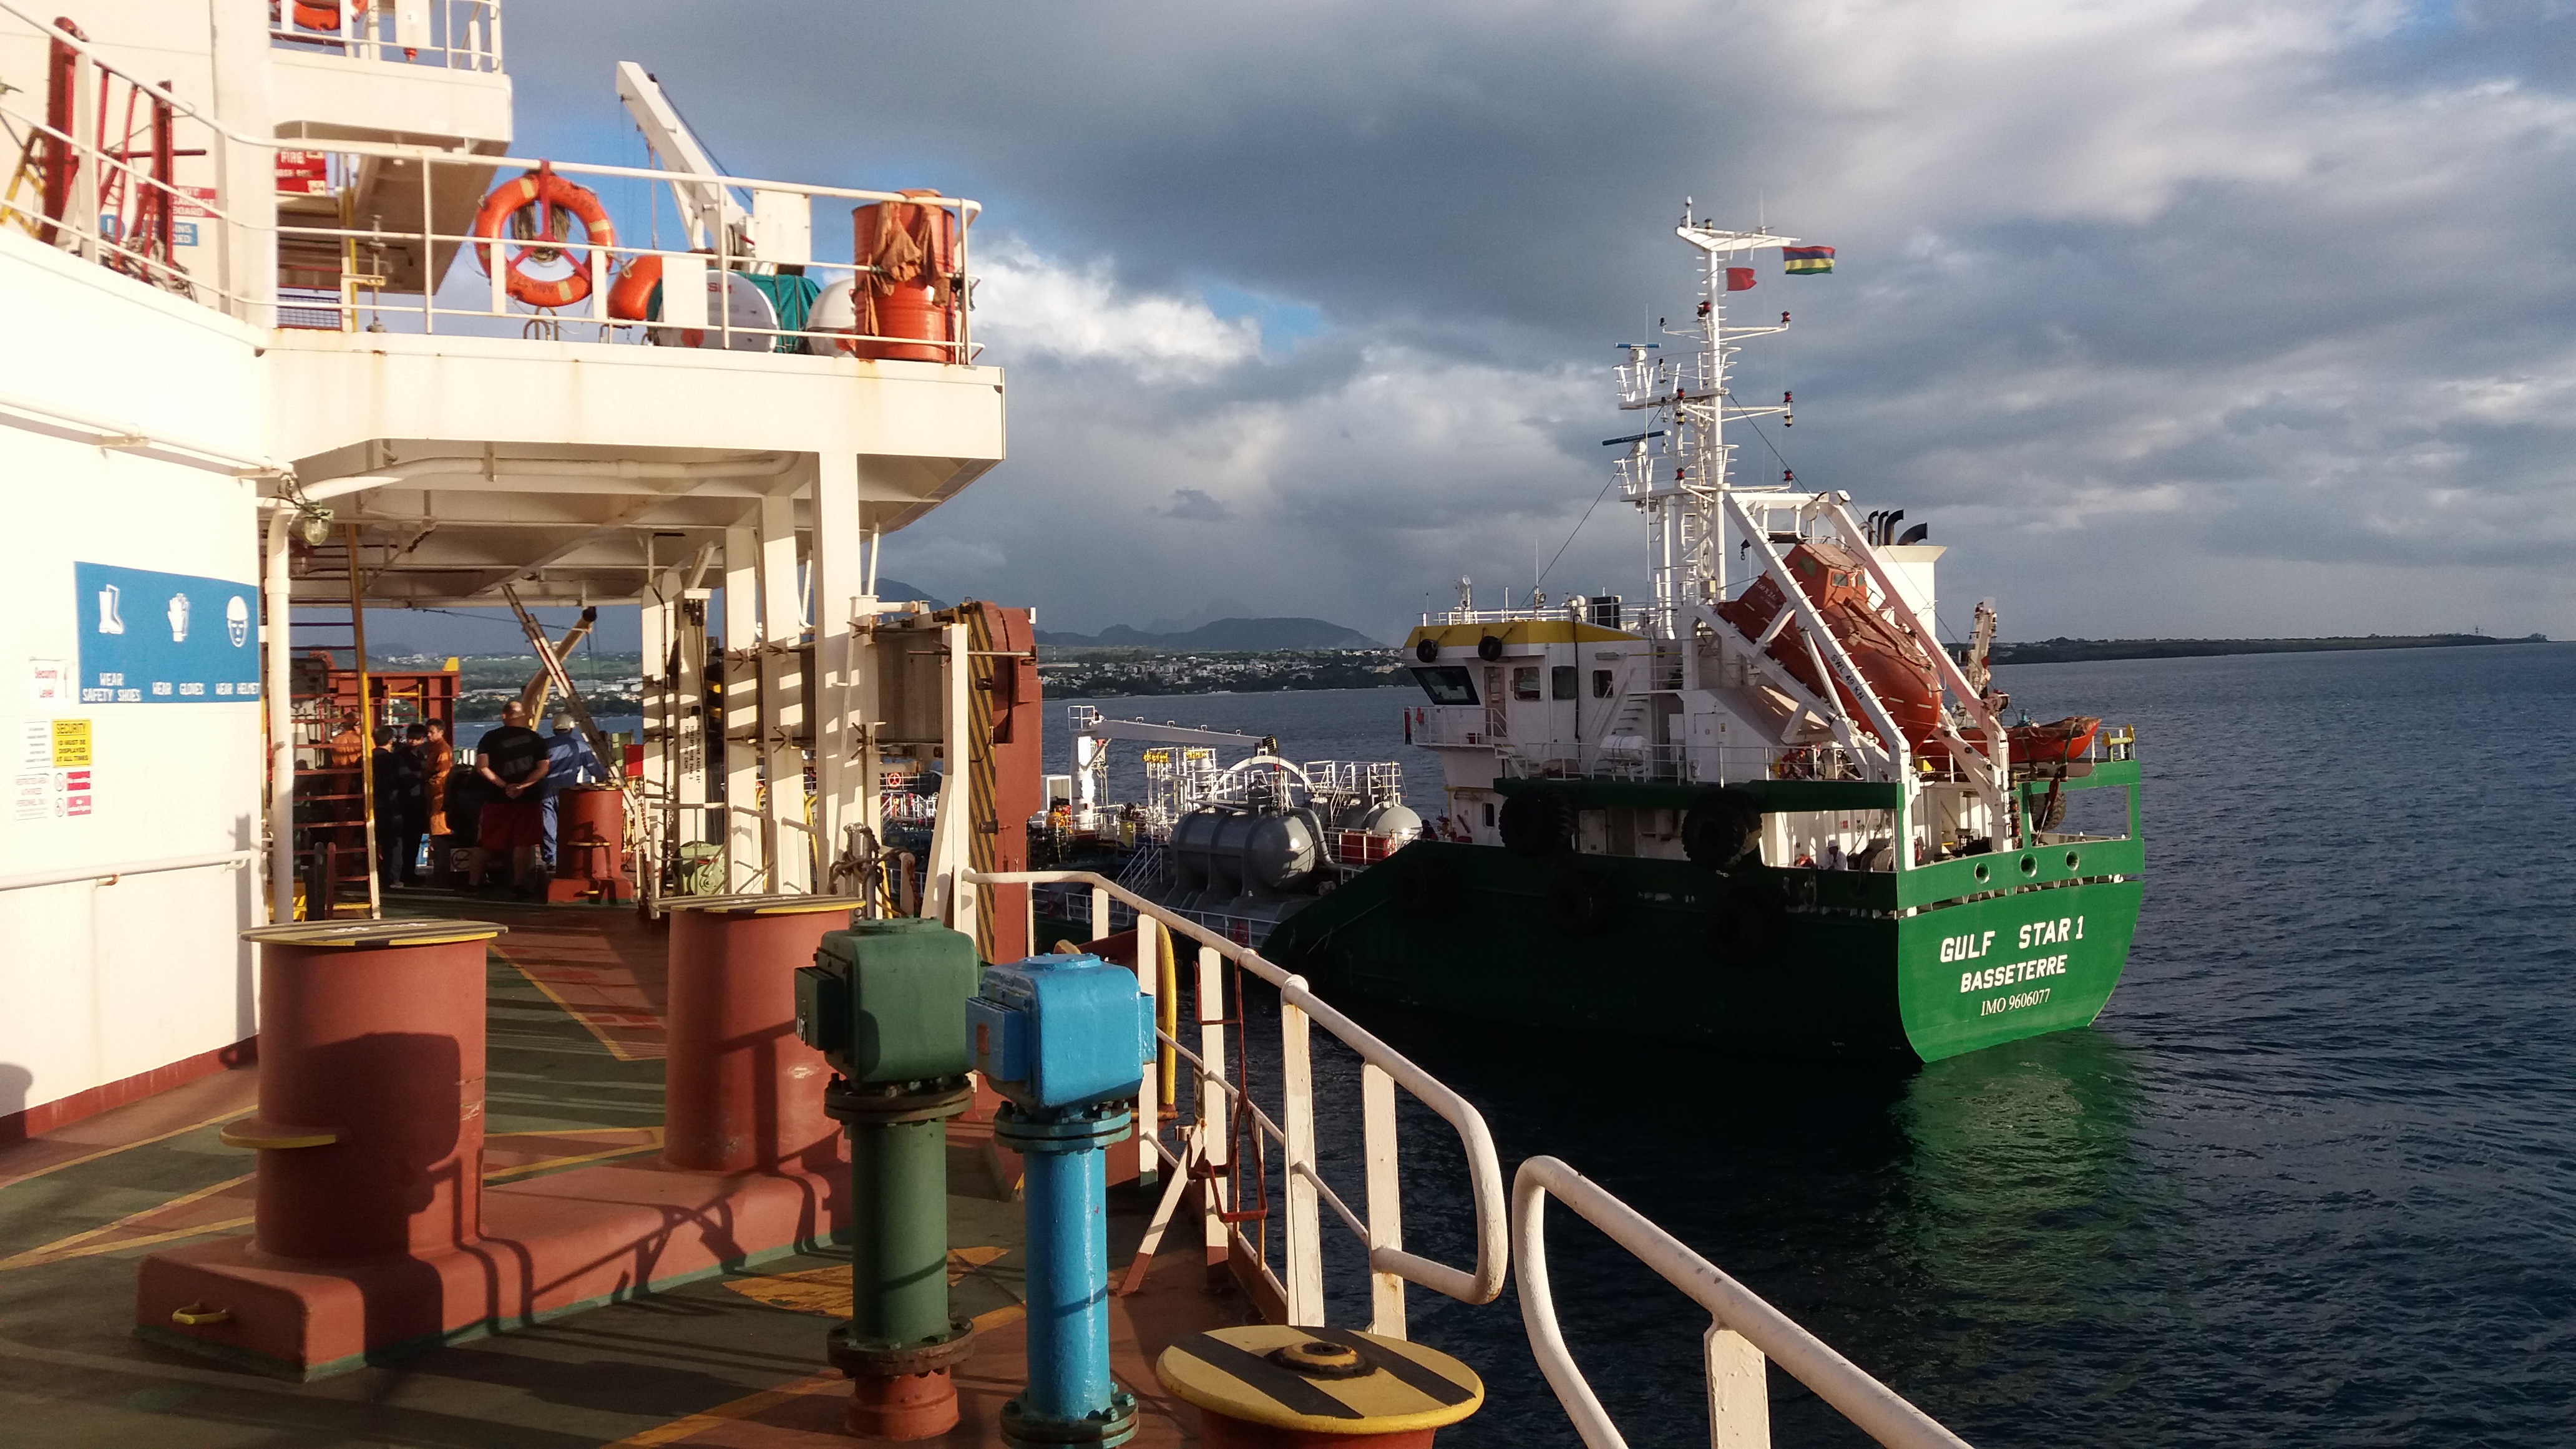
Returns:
<point x="1721" y="828"/>
<point x="1427" y="650"/>
<point x="1538" y="821"/>
<point x="1489" y="648"/>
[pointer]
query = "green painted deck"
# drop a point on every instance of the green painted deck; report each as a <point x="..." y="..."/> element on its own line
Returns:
<point x="575" y="1076"/>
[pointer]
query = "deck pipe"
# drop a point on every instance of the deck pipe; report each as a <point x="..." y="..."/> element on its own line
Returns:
<point x="1063" y="1039"/>
<point x="1070" y="1397"/>
<point x="884" y="1002"/>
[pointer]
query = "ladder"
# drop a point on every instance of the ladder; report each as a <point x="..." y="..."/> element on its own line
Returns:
<point x="333" y="714"/>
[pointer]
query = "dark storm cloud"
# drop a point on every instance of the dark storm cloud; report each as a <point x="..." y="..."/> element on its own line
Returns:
<point x="2170" y="317"/>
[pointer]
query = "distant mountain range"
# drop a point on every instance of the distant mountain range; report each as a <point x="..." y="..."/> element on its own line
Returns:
<point x="1221" y="636"/>
<point x="2072" y="651"/>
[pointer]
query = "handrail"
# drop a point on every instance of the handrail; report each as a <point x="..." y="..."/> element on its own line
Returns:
<point x="233" y="218"/>
<point x="1736" y="1397"/>
<point x="1484" y="1169"/>
<point x="111" y="874"/>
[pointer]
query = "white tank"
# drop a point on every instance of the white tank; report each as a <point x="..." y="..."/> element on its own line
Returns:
<point x="1396" y="822"/>
<point x="836" y="310"/>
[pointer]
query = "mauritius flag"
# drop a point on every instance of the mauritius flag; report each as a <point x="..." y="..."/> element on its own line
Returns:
<point x="1807" y="260"/>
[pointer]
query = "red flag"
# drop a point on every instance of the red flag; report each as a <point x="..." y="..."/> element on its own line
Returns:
<point x="1739" y="279"/>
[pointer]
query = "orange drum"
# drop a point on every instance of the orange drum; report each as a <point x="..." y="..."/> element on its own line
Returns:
<point x="910" y="287"/>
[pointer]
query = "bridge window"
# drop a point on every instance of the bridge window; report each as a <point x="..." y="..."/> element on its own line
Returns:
<point x="1603" y="683"/>
<point x="1447" y="685"/>
<point x="1525" y="681"/>
<point x="1560" y="681"/>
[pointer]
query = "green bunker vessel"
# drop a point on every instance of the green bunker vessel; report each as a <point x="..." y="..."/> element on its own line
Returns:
<point x="1765" y="809"/>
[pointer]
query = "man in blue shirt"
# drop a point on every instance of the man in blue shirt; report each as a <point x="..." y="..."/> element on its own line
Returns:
<point x="568" y="762"/>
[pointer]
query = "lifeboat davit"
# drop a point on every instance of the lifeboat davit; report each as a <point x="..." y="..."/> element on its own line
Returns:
<point x="1899" y="672"/>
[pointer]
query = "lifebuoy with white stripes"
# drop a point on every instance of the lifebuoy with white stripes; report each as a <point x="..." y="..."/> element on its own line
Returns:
<point x="543" y="238"/>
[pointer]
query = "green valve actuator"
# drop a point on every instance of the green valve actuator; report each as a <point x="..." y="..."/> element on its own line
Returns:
<point x="885" y="1002"/>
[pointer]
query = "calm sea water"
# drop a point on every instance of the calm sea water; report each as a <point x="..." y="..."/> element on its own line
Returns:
<point x="2310" y="1179"/>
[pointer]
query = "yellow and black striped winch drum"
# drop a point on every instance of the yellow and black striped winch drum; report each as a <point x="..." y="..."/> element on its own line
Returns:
<point x="1322" y="1380"/>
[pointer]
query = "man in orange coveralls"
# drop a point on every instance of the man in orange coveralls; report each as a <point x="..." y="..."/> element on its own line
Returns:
<point x="437" y="757"/>
<point x="512" y="759"/>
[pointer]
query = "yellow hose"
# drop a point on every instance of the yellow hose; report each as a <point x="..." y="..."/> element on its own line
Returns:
<point x="1167" y="1013"/>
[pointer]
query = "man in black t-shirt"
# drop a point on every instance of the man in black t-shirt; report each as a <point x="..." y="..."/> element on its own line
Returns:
<point x="512" y="761"/>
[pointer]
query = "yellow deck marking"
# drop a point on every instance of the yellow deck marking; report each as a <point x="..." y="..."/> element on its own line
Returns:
<point x="826" y="1291"/>
<point x="9" y="1182"/>
<point x="513" y="1174"/>
<point x="743" y="1408"/>
<point x="568" y="1009"/>
<point x="78" y="1245"/>
<point x="62" y="1248"/>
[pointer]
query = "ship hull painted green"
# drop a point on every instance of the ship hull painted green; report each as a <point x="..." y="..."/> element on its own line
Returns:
<point x="1760" y="960"/>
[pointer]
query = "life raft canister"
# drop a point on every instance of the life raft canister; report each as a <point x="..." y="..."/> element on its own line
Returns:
<point x="549" y="194"/>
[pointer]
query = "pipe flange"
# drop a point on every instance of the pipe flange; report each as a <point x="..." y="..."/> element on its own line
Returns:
<point x="1113" y="1425"/>
<point x="1077" y="1130"/>
<point x="861" y="1360"/>
<point x="845" y="1101"/>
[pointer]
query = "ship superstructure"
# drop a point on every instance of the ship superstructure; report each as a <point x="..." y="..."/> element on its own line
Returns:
<point x="293" y="335"/>
<point x="1716" y="678"/>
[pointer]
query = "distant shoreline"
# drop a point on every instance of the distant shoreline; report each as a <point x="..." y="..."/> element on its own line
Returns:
<point x="2085" y="651"/>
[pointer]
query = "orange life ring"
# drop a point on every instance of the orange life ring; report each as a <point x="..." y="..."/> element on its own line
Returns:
<point x="542" y="188"/>
<point x="630" y="298"/>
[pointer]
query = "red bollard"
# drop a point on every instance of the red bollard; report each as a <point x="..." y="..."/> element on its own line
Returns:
<point x="590" y="846"/>
<point x="740" y="1092"/>
<point x="370" y="1121"/>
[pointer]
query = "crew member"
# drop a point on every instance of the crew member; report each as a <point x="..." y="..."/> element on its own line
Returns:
<point x="437" y="758"/>
<point x="569" y="762"/>
<point x="512" y="760"/>
<point x="411" y="800"/>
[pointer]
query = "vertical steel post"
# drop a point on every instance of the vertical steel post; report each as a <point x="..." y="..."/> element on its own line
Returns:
<point x="279" y="649"/>
<point x="1214" y="1111"/>
<point x="1305" y="1277"/>
<point x="744" y="863"/>
<point x="1385" y="1196"/>
<point x="782" y="635"/>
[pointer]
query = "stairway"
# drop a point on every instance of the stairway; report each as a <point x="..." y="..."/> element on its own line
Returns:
<point x="327" y="688"/>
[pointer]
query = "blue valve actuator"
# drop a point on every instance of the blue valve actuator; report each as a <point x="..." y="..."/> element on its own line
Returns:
<point x="1061" y="1031"/>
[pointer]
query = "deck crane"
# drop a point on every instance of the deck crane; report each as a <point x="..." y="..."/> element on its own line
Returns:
<point x="707" y="209"/>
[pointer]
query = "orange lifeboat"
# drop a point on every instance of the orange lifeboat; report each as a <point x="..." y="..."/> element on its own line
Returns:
<point x="2055" y="743"/>
<point x="1899" y="672"/>
<point x="910" y="256"/>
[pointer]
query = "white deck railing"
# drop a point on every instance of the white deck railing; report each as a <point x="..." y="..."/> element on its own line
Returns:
<point x="1378" y="1221"/>
<point x="453" y="34"/>
<point x="111" y="170"/>
<point x="1743" y="1330"/>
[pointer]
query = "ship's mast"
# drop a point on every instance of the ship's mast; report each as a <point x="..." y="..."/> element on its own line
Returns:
<point x="1681" y="486"/>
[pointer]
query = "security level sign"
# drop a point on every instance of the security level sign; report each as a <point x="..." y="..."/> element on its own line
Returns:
<point x="71" y="743"/>
<point x="156" y="638"/>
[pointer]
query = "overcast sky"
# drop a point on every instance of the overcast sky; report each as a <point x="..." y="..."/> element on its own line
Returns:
<point x="2170" y="319"/>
